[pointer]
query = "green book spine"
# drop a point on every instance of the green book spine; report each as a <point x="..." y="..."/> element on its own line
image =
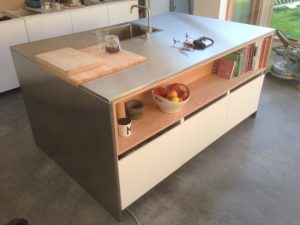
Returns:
<point x="236" y="56"/>
<point x="243" y="60"/>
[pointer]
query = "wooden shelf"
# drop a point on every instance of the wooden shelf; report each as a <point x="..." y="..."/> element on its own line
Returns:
<point x="203" y="91"/>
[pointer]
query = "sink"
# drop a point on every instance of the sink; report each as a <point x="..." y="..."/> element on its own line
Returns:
<point x="20" y="13"/>
<point x="4" y="17"/>
<point x="127" y="31"/>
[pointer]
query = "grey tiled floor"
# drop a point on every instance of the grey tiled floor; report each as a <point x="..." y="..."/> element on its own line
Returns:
<point x="250" y="176"/>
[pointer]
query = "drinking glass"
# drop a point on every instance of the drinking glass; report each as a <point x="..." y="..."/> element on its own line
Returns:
<point x="101" y="35"/>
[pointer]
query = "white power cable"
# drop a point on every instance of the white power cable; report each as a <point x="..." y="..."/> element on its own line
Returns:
<point x="134" y="217"/>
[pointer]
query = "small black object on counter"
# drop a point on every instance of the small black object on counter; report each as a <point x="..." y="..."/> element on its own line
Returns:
<point x="203" y="42"/>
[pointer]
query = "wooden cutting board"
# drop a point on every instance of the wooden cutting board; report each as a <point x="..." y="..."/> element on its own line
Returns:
<point x="110" y="63"/>
<point x="69" y="61"/>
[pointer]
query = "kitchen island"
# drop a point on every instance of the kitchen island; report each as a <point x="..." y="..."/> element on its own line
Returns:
<point x="76" y="126"/>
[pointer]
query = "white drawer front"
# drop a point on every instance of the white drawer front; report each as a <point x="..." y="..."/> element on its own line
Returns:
<point x="244" y="101"/>
<point x="147" y="166"/>
<point x="204" y="128"/>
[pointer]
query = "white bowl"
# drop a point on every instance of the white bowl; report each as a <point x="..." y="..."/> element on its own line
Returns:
<point x="168" y="106"/>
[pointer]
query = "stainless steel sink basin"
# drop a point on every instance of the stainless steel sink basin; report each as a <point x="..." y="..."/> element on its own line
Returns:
<point x="4" y="17"/>
<point x="127" y="31"/>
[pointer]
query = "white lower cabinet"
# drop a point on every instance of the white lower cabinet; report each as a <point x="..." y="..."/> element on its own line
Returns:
<point x="244" y="101"/>
<point x="205" y="127"/>
<point x="150" y="164"/>
<point x="119" y="12"/>
<point x="147" y="166"/>
<point x="12" y="32"/>
<point x="88" y="18"/>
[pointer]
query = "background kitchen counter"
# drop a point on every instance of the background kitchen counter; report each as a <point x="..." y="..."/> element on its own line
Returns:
<point x="6" y="5"/>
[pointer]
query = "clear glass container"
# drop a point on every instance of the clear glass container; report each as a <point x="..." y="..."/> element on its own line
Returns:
<point x="112" y="44"/>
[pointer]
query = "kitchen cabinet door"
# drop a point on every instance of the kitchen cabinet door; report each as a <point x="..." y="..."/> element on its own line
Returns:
<point x="244" y="101"/>
<point x="159" y="6"/>
<point x="89" y="18"/>
<point x="48" y="25"/>
<point x="182" y="6"/>
<point x="148" y="165"/>
<point x="205" y="127"/>
<point x="12" y="32"/>
<point x="119" y="12"/>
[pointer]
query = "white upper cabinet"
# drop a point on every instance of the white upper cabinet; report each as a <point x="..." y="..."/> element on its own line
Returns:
<point x="12" y="32"/>
<point x="48" y="25"/>
<point x="119" y="12"/>
<point x="89" y="18"/>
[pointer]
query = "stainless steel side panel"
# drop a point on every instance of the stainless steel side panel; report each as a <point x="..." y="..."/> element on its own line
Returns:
<point x="74" y="128"/>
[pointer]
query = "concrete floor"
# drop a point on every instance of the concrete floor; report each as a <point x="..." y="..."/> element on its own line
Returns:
<point x="250" y="176"/>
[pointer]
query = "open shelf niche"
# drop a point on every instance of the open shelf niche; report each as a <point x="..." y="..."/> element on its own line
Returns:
<point x="204" y="86"/>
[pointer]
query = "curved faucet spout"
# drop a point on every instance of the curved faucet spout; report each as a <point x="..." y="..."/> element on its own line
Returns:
<point x="148" y="15"/>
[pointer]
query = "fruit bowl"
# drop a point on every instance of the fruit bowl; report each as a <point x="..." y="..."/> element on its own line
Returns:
<point x="171" y="98"/>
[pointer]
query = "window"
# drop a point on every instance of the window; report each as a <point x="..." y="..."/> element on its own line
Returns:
<point x="286" y="17"/>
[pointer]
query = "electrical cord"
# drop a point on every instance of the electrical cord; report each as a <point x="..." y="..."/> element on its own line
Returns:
<point x="134" y="217"/>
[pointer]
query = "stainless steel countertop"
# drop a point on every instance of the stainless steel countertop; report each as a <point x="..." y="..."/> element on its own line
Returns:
<point x="163" y="60"/>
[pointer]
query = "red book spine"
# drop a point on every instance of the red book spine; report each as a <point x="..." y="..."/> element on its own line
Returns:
<point x="265" y="52"/>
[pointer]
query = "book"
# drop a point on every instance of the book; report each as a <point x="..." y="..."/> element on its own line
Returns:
<point x="264" y="52"/>
<point x="226" y="68"/>
<point x="251" y="57"/>
<point x="258" y="53"/>
<point x="254" y="58"/>
<point x="216" y="66"/>
<point x="237" y="57"/>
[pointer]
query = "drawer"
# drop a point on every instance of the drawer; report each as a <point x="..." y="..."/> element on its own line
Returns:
<point x="244" y="101"/>
<point x="205" y="127"/>
<point x="148" y="165"/>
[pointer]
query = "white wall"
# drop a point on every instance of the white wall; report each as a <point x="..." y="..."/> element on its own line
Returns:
<point x="213" y="8"/>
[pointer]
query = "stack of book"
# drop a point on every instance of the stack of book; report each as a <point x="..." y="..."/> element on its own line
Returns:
<point x="252" y="57"/>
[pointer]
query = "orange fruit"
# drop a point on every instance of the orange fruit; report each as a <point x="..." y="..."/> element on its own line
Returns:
<point x="175" y="99"/>
<point x="172" y="94"/>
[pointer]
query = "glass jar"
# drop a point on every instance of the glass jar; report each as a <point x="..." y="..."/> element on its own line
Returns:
<point x="112" y="44"/>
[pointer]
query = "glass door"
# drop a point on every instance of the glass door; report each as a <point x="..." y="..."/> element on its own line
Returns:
<point x="243" y="11"/>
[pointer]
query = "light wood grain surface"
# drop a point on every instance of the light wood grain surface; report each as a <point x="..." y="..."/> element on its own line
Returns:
<point x="79" y="66"/>
<point x="6" y="5"/>
<point x="69" y="61"/>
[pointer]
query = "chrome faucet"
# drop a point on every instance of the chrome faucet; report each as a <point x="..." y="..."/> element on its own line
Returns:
<point x="148" y="15"/>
